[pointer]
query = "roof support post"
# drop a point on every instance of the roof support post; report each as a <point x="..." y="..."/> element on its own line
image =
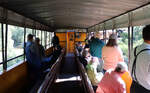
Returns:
<point x="113" y="25"/>
<point x="3" y="52"/>
<point x="45" y="39"/>
<point x="24" y="24"/>
<point x="4" y="38"/>
<point x="129" y="36"/>
<point x="132" y="28"/>
<point x="105" y="33"/>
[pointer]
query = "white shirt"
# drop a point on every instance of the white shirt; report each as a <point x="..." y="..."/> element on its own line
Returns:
<point x="142" y="65"/>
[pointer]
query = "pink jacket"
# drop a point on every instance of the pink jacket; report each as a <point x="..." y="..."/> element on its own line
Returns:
<point x="111" y="83"/>
<point x="111" y="56"/>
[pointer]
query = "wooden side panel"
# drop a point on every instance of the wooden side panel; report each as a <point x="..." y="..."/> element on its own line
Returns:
<point x="16" y="79"/>
<point x="49" y="51"/>
<point x="62" y="39"/>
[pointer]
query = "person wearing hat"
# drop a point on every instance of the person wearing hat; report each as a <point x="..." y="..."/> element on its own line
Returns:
<point x="112" y="81"/>
<point x="96" y="45"/>
<point x="111" y="53"/>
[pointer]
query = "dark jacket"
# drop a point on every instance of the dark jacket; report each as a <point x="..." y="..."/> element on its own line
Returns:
<point x="55" y="40"/>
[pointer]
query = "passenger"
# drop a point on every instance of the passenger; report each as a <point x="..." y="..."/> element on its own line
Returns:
<point x="85" y="58"/>
<point x="40" y="52"/>
<point x="79" y="47"/>
<point x="139" y="65"/>
<point x="112" y="81"/>
<point x="34" y="63"/>
<point x="126" y="77"/>
<point x="96" y="45"/>
<point x="28" y="49"/>
<point x="56" y="53"/>
<point x="55" y="40"/>
<point x="87" y="41"/>
<point x="111" y="53"/>
<point x="93" y="75"/>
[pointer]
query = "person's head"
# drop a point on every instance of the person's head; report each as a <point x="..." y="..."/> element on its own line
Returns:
<point x="146" y="33"/>
<point x="97" y="35"/>
<point x="54" y="34"/>
<point x="94" y="60"/>
<point x="37" y="40"/>
<point x="85" y="53"/>
<point x="79" y="43"/>
<point x="121" y="67"/>
<point x="30" y="37"/>
<point x="112" y="41"/>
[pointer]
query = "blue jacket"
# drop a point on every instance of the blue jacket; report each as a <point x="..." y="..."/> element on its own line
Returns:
<point x="32" y="58"/>
<point x="96" y="46"/>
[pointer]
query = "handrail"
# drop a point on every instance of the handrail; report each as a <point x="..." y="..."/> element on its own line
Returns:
<point x="51" y="75"/>
<point x="84" y="76"/>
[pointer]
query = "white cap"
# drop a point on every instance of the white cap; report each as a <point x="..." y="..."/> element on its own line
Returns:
<point x="123" y="66"/>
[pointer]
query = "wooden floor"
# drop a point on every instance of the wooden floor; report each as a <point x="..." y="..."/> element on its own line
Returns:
<point x="69" y="70"/>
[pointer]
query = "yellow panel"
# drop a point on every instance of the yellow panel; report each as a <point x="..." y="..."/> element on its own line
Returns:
<point x="82" y="37"/>
<point x="61" y="36"/>
<point x="63" y="44"/>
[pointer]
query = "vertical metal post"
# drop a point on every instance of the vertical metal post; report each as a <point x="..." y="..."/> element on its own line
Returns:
<point x="129" y="36"/>
<point x="4" y="14"/>
<point x="103" y="35"/>
<point x="35" y="33"/>
<point x="49" y="40"/>
<point x="32" y="31"/>
<point x="24" y="41"/>
<point x="129" y="43"/>
<point x="3" y="52"/>
<point x="41" y="37"/>
<point x="132" y="28"/>
<point x="45" y="39"/>
<point x="6" y="35"/>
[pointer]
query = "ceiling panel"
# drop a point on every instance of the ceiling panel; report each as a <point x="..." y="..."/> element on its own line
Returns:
<point x="73" y="13"/>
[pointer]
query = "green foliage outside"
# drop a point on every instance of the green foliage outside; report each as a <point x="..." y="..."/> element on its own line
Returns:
<point x="15" y="44"/>
<point x="123" y="43"/>
<point x="123" y="40"/>
<point x="137" y="36"/>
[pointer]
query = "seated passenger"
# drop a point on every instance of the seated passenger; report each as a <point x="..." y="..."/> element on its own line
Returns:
<point x="56" y="52"/>
<point x="126" y="77"/>
<point x="85" y="58"/>
<point x="79" y="47"/>
<point x="94" y="76"/>
<point x="111" y="53"/>
<point x="112" y="81"/>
